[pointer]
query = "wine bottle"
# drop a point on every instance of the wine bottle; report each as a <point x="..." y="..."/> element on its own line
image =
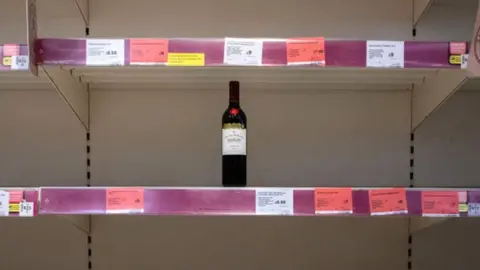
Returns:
<point x="234" y="141"/>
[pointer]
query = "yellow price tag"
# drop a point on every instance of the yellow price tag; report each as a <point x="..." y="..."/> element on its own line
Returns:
<point x="7" y="61"/>
<point x="186" y="59"/>
<point x="462" y="207"/>
<point x="14" y="208"/>
<point x="455" y="59"/>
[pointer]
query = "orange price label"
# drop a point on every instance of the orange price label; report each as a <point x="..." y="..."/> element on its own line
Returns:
<point x="440" y="203"/>
<point x="333" y="201"/>
<point x="458" y="47"/>
<point x="148" y="51"/>
<point x="306" y="51"/>
<point x="388" y="201"/>
<point x="125" y="200"/>
<point x="11" y="49"/>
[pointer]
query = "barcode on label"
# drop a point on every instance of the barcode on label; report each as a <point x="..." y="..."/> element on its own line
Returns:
<point x="464" y="61"/>
<point x="26" y="209"/>
<point x="474" y="209"/>
<point x="20" y="62"/>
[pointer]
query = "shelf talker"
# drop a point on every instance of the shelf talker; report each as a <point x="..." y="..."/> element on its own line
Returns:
<point x="72" y="90"/>
<point x="83" y="7"/>
<point x="429" y="95"/>
<point x="420" y="7"/>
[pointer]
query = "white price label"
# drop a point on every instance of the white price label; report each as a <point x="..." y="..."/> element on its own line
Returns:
<point x="385" y="53"/>
<point x="4" y="200"/>
<point x="26" y="209"/>
<point x="243" y="51"/>
<point x="274" y="201"/>
<point x="105" y="52"/>
<point x="20" y="62"/>
<point x="464" y="61"/>
<point x="474" y="209"/>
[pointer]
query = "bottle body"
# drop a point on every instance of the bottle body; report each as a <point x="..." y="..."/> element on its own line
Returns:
<point x="234" y="142"/>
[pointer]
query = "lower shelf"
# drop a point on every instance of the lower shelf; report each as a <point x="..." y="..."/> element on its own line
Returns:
<point x="260" y="201"/>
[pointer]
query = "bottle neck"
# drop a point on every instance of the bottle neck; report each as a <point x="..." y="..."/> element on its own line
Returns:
<point x="234" y="99"/>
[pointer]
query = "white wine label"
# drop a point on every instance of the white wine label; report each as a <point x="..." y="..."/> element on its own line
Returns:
<point x="234" y="141"/>
<point x="4" y="199"/>
<point x="385" y="53"/>
<point x="243" y="51"/>
<point x="105" y="52"/>
<point x="274" y="201"/>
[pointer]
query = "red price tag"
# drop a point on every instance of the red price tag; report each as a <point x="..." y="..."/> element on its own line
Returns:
<point x="440" y="203"/>
<point x="333" y="201"/>
<point x="148" y="51"/>
<point x="388" y="201"/>
<point x="306" y="51"/>
<point x="125" y="200"/>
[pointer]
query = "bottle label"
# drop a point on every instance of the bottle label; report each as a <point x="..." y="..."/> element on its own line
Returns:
<point x="234" y="141"/>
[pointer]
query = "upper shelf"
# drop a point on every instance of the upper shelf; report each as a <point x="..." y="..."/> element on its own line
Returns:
<point x="349" y="64"/>
<point x="250" y="52"/>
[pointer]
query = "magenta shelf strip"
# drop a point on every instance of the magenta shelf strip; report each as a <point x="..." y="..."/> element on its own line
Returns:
<point x="338" y="53"/>
<point x="220" y="201"/>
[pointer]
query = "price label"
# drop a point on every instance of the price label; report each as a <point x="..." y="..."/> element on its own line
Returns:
<point x="306" y="51"/>
<point x="147" y="51"/>
<point x="186" y="59"/>
<point x="388" y="201"/>
<point x="243" y="51"/>
<point x="4" y="202"/>
<point x="455" y="59"/>
<point x="440" y="203"/>
<point x="11" y="49"/>
<point x="274" y="201"/>
<point x="7" y="61"/>
<point x="458" y="47"/>
<point x="463" y="65"/>
<point x="26" y="209"/>
<point x="125" y="200"/>
<point x="333" y="201"/>
<point x="474" y="209"/>
<point x="385" y="54"/>
<point x="105" y="52"/>
<point x="20" y="62"/>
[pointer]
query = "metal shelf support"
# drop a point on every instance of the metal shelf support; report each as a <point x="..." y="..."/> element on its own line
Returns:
<point x="83" y="7"/>
<point x="72" y="90"/>
<point x="429" y="95"/>
<point x="420" y="7"/>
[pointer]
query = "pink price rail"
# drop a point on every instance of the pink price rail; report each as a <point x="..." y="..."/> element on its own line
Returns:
<point x="337" y="53"/>
<point x="243" y="201"/>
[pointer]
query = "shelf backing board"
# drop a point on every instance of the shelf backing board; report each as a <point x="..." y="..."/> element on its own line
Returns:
<point x="296" y="138"/>
<point x="44" y="241"/>
<point x="226" y="243"/>
<point x="450" y="19"/>
<point x="108" y="18"/>
<point x="342" y="138"/>
<point x="42" y="142"/>
<point x="57" y="18"/>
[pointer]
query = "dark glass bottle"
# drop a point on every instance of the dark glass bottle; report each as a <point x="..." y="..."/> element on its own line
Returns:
<point x="234" y="141"/>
